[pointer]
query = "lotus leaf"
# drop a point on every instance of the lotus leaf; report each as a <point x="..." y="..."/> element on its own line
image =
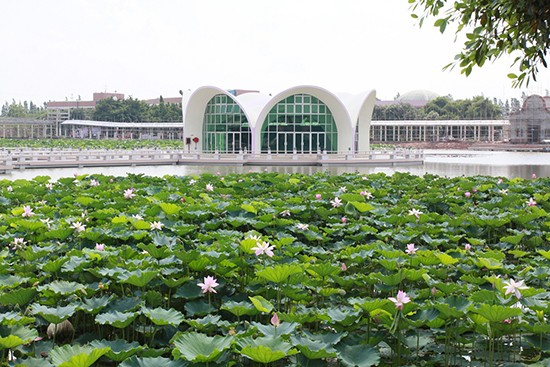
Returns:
<point x="116" y="319"/>
<point x="54" y="315"/>
<point x="160" y="316"/>
<point x="358" y="355"/>
<point x="151" y="362"/>
<point x="14" y="336"/>
<point x="119" y="349"/>
<point x="195" y="347"/>
<point x="76" y="355"/>
<point x="261" y="304"/>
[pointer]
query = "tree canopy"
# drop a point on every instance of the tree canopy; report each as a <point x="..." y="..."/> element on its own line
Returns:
<point x="441" y="108"/>
<point x="494" y="28"/>
<point x="134" y="110"/>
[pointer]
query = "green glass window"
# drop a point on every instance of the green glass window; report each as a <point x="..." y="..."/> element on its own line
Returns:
<point x="300" y="123"/>
<point x="225" y="127"/>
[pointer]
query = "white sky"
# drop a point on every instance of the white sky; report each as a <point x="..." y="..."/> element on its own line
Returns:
<point x="57" y="49"/>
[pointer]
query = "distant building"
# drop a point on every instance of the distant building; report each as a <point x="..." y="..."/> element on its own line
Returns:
<point x="531" y="124"/>
<point x="59" y="111"/>
<point x="416" y="98"/>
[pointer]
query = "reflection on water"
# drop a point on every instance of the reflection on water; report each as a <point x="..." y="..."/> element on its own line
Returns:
<point x="451" y="164"/>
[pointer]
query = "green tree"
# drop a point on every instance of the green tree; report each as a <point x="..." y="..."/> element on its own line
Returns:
<point x="494" y="28"/>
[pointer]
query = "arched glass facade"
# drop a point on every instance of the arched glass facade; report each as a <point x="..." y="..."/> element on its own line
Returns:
<point x="225" y="128"/>
<point x="300" y="123"/>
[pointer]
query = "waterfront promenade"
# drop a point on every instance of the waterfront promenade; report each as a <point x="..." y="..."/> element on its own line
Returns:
<point x="51" y="158"/>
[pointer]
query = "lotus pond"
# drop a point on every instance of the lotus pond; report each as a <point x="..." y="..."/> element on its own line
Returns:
<point x="269" y="269"/>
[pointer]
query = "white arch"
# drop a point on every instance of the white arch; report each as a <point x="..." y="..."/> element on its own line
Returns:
<point x="361" y="108"/>
<point x="338" y="109"/>
<point x="195" y="108"/>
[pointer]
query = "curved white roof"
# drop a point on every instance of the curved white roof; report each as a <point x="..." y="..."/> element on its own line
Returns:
<point x="348" y="111"/>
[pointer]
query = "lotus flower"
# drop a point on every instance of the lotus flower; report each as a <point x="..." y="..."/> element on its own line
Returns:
<point x="410" y="249"/>
<point x="415" y="212"/>
<point x="129" y="193"/>
<point x="100" y="246"/>
<point x="208" y="285"/>
<point x="156" y="225"/>
<point x="400" y="300"/>
<point x="263" y="247"/>
<point x="531" y="202"/>
<point x="209" y="187"/>
<point x="513" y="287"/>
<point x="336" y="202"/>
<point x="275" y="320"/>
<point x="27" y="211"/>
<point x="78" y="226"/>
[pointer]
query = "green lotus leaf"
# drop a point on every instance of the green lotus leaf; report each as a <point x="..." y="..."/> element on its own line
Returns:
<point x="249" y="208"/>
<point x="14" y="336"/>
<point x="198" y="308"/>
<point x="279" y="273"/>
<point x="29" y="225"/>
<point x="188" y="291"/>
<point x="14" y="318"/>
<point x="240" y="308"/>
<point x="21" y="297"/>
<point x="197" y="348"/>
<point x="33" y="362"/>
<point x="150" y="362"/>
<point x="116" y="319"/>
<point x="54" y="315"/>
<point x="446" y="259"/>
<point x="11" y="281"/>
<point x="313" y="349"/>
<point x="263" y="354"/>
<point x="119" y="220"/>
<point x="261" y="304"/>
<point x="362" y="207"/>
<point x="370" y="305"/>
<point x="265" y="349"/>
<point x="344" y="316"/>
<point x="358" y="355"/>
<point x="284" y="328"/>
<point x="496" y="313"/>
<point x="53" y="266"/>
<point x="63" y="287"/>
<point x="76" y="355"/>
<point x="85" y="200"/>
<point x="32" y="253"/>
<point x="161" y="316"/>
<point x="203" y="323"/>
<point x="76" y="264"/>
<point x="158" y="252"/>
<point x="546" y="254"/>
<point x="119" y="349"/>
<point x="94" y="305"/>
<point x="169" y="208"/>
<point x="137" y="278"/>
<point x="489" y="263"/>
<point x="324" y="270"/>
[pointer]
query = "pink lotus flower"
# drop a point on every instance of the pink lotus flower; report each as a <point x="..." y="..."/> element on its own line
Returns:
<point x="129" y="193"/>
<point x="208" y="285"/>
<point x="9" y="188"/>
<point x="400" y="300"/>
<point x="263" y="247"/>
<point x="467" y="194"/>
<point x="344" y="220"/>
<point x="318" y="196"/>
<point x="49" y="185"/>
<point x="534" y="176"/>
<point x="344" y="267"/>
<point x="209" y="187"/>
<point x="27" y="211"/>
<point x="531" y="202"/>
<point x="410" y="249"/>
<point x="100" y="246"/>
<point x="499" y="181"/>
<point x="467" y="247"/>
<point x="275" y="320"/>
<point x="513" y="287"/>
<point x="336" y="202"/>
<point x="94" y="183"/>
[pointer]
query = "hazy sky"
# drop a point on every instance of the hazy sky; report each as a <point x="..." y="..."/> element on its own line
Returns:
<point x="57" y="49"/>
